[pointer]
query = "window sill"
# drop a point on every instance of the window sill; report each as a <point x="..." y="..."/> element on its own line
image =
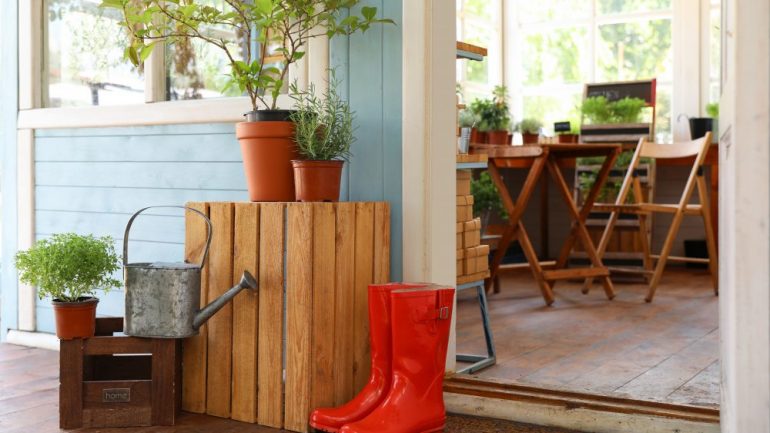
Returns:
<point x="159" y="113"/>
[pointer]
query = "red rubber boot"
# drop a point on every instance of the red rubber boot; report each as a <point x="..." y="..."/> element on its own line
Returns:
<point x="375" y="390"/>
<point x="415" y="403"/>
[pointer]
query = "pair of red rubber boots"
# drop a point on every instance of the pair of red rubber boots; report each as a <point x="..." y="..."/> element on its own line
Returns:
<point x="408" y="332"/>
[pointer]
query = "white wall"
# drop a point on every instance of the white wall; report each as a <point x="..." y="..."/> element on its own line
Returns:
<point x="745" y="218"/>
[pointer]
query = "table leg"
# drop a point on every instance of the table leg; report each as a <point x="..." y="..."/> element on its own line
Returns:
<point x="579" y="218"/>
<point x="534" y="263"/>
<point x="514" y="210"/>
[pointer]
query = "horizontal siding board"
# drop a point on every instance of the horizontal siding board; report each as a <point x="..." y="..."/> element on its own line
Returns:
<point x="189" y="175"/>
<point x="125" y="200"/>
<point x="160" y="130"/>
<point x="173" y="148"/>
<point x="145" y="227"/>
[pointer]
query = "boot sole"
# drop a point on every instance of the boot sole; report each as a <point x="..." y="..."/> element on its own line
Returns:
<point x="324" y="429"/>
<point x="435" y="430"/>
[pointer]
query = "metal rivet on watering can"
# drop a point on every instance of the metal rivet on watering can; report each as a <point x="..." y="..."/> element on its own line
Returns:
<point x="163" y="299"/>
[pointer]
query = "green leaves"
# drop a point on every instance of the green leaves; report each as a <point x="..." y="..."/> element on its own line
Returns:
<point x="69" y="266"/>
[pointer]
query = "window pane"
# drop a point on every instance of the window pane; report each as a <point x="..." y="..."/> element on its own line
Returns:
<point x="715" y="53"/>
<point x="556" y="57"/>
<point x="625" y="6"/>
<point x="197" y="69"/>
<point x="663" y="118"/>
<point x="555" y="106"/>
<point x="552" y="10"/>
<point x="635" y="50"/>
<point x="84" y="57"/>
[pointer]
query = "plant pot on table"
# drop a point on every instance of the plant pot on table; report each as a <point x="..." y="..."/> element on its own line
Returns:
<point x="498" y="137"/>
<point x="528" y="138"/>
<point x="317" y="180"/>
<point x="568" y="138"/>
<point x="478" y="137"/>
<point x="75" y="319"/>
<point x="267" y="148"/>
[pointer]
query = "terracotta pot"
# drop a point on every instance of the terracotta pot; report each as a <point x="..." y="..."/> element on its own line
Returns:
<point x="568" y="138"/>
<point x="497" y="137"/>
<point x="75" y="319"/>
<point x="478" y="137"/>
<point x="267" y="148"/>
<point x="528" y="138"/>
<point x="317" y="180"/>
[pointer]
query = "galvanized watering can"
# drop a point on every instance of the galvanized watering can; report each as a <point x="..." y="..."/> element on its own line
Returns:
<point x="163" y="299"/>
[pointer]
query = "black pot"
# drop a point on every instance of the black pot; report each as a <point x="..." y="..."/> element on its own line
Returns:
<point x="268" y="115"/>
<point x="699" y="126"/>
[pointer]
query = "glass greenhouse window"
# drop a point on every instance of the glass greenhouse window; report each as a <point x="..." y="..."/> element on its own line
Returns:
<point x="83" y="61"/>
<point x="479" y="23"/>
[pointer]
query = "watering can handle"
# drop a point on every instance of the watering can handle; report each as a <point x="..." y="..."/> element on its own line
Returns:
<point x="133" y="217"/>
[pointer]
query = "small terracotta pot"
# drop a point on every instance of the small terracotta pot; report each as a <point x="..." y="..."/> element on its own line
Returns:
<point x="497" y="137"/>
<point x="75" y="319"/>
<point x="568" y="138"/>
<point x="267" y="148"/>
<point x="528" y="138"/>
<point x="317" y="180"/>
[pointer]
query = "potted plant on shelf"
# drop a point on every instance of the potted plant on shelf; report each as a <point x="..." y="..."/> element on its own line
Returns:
<point x="70" y="268"/>
<point x="274" y="35"/>
<point x="530" y="130"/>
<point x="324" y="134"/>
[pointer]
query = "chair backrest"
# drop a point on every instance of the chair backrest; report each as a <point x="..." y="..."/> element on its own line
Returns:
<point x="676" y="150"/>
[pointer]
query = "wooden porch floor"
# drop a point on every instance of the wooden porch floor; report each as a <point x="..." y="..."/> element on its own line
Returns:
<point x="667" y="351"/>
<point x="29" y="381"/>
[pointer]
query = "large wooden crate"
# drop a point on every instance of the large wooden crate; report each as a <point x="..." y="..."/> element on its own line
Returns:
<point x="301" y="341"/>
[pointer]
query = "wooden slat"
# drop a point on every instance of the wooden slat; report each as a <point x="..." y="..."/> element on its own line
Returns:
<point x="381" y="243"/>
<point x="563" y="274"/>
<point x="299" y="315"/>
<point x="270" y="351"/>
<point x="324" y="299"/>
<point x="220" y="332"/>
<point x="165" y="385"/>
<point x="70" y="389"/>
<point x="343" y="317"/>
<point x="194" y="348"/>
<point x="111" y="345"/>
<point x="364" y="268"/>
<point x="245" y="314"/>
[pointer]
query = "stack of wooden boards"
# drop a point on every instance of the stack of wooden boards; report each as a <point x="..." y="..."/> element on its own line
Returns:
<point x="302" y="339"/>
<point x="472" y="263"/>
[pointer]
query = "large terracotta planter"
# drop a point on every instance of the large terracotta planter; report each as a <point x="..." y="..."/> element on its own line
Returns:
<point x="478" y="137"/>
<point x="75" y="319"/>
<point x="317" y="180"/>
<point x="267" y="148"/>
<point x="497" y="137"/>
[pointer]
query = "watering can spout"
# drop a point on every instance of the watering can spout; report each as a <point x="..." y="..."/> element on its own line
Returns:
<point x="247" y="282"/>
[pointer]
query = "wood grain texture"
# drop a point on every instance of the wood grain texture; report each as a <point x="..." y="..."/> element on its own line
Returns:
<point x="271" y="308"/>
<point x="299" y="316"/>
<point x="324" y="299"/>
<point x="220" y="332"/>
<point x="343" y="316"/>
<point x="245" y="314"/>
<point x="364" y="272"/>
<point x="70" y="393"/>
<point x="381" y="243"/>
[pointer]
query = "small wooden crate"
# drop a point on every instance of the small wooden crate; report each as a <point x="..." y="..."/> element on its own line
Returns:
<point x="109" y="381"/>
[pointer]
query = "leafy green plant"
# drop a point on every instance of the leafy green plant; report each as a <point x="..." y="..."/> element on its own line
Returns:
<point x="529" y="126"/>
<point x="712" y="110"/>
<point x="467" y="119"/>
<point x="599" y="110"/>
<point x="491" y="115"/>
<point x="486" y="197"/>
<point x="627" y="110"/>
<point x="68" y="267"/>
<point x="323" y="124"/>
<point x="276" y="27"/>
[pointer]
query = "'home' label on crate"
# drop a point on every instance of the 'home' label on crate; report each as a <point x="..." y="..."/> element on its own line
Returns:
<point x="116" y="395"/>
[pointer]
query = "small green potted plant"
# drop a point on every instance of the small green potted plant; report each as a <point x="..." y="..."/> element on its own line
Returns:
<point x="486" y="200"/>
<point x="69" y="269"/>
<point x="323" y="135"/>
<point x="272" y="36"/>
<point x="530" y="130"/>
<point x="570" y="136"/>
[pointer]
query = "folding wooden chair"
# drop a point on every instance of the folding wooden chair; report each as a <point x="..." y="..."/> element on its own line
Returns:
<point x="653" y="265"/>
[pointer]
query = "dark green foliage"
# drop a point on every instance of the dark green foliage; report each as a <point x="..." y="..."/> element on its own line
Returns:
<point x="69" y="266"/>
<point x="492" y="114"/>
<point x="486" y="197"/>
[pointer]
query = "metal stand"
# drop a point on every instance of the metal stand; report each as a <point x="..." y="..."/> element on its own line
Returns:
<point x="480" y="362"/>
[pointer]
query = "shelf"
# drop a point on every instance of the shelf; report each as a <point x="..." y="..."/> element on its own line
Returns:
<point x="470" y="52"/>
<point x="471" y="165"/>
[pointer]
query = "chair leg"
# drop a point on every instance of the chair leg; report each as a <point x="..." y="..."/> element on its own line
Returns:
<point x="711" y="244"/>
<point x="667" y="246"/>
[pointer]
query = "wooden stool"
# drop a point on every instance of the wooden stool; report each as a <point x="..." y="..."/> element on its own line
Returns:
<point x="141" y="386"/>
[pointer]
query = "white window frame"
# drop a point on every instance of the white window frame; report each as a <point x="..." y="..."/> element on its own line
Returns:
<point x="495" y="50"/>
<point x="155" y="111"/>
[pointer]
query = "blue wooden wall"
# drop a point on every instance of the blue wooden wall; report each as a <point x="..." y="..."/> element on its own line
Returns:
<point x="92" y="180"/>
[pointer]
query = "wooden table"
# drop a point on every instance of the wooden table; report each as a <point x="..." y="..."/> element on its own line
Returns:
<point x="537" y="159"/>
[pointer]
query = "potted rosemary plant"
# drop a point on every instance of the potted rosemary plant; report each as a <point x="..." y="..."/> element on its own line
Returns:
<point x="530" y="130"/>
<point x="274" y="35"/>
<point x="324" y="134"/>
<point x="69" y="269"/>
